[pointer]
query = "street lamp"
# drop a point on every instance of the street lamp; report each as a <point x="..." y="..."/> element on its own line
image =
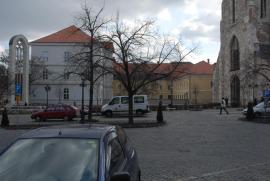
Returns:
<point x="47" y="89"/>
<point x="82" y="108"/>
<point x="253" y="85"/>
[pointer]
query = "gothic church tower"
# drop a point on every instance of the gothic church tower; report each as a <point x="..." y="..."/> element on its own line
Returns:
<point x="245" y="44"/>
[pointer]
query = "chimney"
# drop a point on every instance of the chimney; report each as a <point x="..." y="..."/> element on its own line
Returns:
<point x="208" y="61"/>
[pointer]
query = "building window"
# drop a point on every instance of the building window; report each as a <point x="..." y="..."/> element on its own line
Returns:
<point x="66" y="94"/>
<point x="45" y="74"/>
<point x="233" y="11"/>
<point x="67" y="56"/>
<point x="44" y="56"/>
<point x="235" y="55"/>
<point x="263" y="8"/>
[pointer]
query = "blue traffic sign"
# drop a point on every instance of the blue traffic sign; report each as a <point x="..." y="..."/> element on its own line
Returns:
<point x="266" y="93"/>
<point x="18" y="89"/>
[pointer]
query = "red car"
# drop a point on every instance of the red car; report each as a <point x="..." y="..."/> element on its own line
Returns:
<point x="65" y="112"/>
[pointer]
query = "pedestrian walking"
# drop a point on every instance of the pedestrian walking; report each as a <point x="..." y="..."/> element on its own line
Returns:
<point x="223" y="106"/>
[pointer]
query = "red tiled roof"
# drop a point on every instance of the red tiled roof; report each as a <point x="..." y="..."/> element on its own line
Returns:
<point x="202" y="68"/>
<point x="71" y="34"/>
<point x="184" y="68"/>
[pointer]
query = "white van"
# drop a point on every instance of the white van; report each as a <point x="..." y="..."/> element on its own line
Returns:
<point x="119" y="105"/>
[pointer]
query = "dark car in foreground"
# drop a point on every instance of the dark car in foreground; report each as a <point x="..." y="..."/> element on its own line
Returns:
<point x="60" y="111"/>
<point x="71" y="153"/>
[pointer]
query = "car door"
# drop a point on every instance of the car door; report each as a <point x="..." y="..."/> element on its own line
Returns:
<point x="49" y="114"/>
<point x="115" y="103"/>
<point x="115" y="158"/>
<point x="124" y="105"/>
<point x="132" y="165"/>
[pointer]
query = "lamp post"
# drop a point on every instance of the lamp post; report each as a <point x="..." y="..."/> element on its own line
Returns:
<point x="253" y="85"/>
<point x="82" y="106"/>
<point x="47" y="89"/>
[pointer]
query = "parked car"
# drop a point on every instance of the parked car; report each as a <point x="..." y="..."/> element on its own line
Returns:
<point x="260" y="109"/>
<point x="119" y="105"/>
<point x="71" y="153"/>
<point x="65" y="112"/>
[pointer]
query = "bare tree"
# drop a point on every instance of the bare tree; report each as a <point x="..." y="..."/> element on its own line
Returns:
<point x="88" y="62"/>
<point x="139" y="53"/>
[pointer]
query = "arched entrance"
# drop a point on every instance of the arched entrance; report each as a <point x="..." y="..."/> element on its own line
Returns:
<point x="235" y="91"/>
<point x="18" y="70"/>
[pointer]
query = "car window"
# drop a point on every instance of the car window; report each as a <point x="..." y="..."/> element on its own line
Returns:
<point x="117" y="156"/>
<point x="51" y="160"/>
<point x="60" y="109"/>
<point x="124" y="100"/>
<point x="139" y="99"/>
<point x="115" y="100"/>
<point x="50" y="109"/>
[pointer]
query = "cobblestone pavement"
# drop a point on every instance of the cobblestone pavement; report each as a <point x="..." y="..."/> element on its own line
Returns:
<point x="203" y="145"/>
<point x="198" y="146"/>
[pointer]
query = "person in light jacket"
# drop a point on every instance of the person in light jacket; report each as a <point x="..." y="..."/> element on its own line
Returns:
<point x="223" y="106"/>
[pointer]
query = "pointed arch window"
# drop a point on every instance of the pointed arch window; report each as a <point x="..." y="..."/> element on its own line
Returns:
<point x="235" y="91"/>
<point x="263" y="8"/>
<point x="233" y="11"/>
<point x="235" y="55"/>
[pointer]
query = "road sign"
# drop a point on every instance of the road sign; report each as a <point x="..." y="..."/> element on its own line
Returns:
<point x="266" y="93"/>
<point x="18" y="89"/>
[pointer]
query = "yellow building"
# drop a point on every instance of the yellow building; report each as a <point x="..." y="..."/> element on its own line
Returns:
<point x="191" y="84"/>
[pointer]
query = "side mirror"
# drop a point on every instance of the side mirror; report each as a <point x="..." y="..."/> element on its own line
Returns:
<point x="120" y="176"/>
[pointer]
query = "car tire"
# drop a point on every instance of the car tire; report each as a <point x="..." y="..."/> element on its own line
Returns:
<point x="66" y="118"/>
<point x="139" y="112"/>
<point x="108" y="114"/>
<point x="37" y="119"/>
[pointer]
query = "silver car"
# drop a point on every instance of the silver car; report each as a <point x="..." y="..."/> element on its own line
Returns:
<point x="260" y="109"/>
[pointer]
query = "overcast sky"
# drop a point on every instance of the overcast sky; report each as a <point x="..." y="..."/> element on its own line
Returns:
<point x="195" y="21"/>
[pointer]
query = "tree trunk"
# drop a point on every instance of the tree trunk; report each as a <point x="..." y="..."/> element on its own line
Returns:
<point x="91" y="80"/>
<point x="130" y="109"/>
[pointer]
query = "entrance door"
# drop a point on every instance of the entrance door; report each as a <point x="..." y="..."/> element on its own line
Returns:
<point x="235" y="91"/>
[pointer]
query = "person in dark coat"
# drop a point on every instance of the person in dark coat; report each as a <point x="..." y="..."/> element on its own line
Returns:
<point x="159" y="113"/>
<point x="5" y="120"/>
<point x="255" y="102"/>
<point x="250" y="112"/>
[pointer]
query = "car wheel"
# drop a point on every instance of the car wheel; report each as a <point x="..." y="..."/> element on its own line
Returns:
<point x="108" y="114"/>
<point x="38" y="119"/>
<point x="66" y="118"/>
<point x="139" y="112"/>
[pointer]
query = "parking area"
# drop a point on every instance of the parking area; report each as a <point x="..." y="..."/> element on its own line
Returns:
<point x="197" y="145"/>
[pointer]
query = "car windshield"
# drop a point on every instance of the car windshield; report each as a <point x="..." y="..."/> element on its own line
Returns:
<point x="50" y="160"/>
<point x="260" y="105"/>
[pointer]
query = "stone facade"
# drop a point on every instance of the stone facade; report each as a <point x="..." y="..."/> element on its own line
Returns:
<point x="245" y="43"/>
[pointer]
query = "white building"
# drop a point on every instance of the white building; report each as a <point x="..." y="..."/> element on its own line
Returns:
<point x="55" y="50"/>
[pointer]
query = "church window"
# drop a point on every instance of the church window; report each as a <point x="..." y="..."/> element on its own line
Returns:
<point x="235" y="55"/>
<point x="263" y="8"/>
<point x="233" y="11"/>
